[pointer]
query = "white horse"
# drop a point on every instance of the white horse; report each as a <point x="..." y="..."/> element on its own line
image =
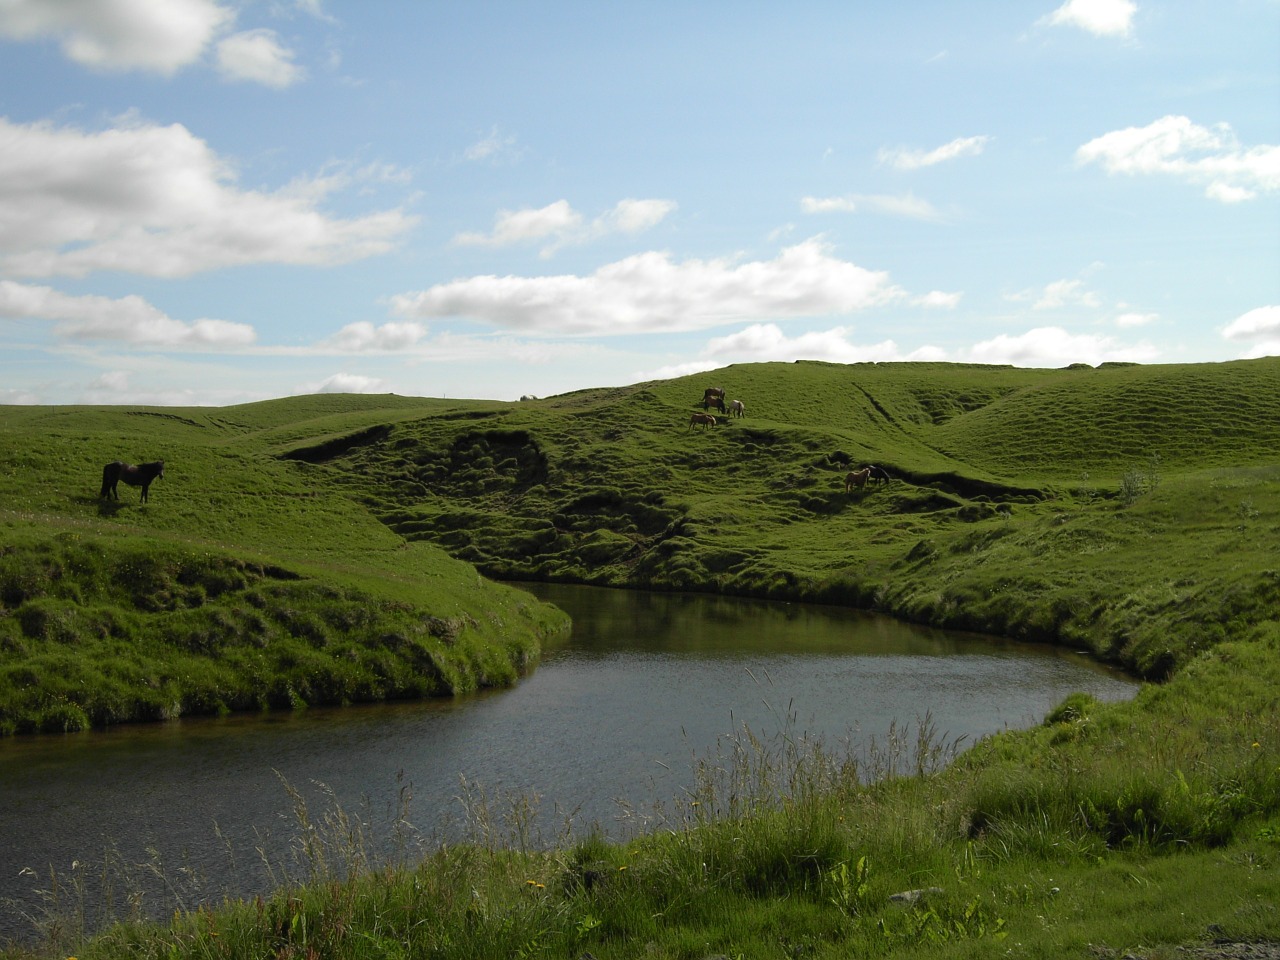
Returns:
<point x="737" y="408"/>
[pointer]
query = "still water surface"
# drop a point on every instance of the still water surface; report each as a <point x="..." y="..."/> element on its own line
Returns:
<point x="607" y="725"/>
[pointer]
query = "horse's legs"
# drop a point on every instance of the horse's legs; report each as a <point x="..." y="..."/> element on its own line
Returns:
<point x="108" y="483"/>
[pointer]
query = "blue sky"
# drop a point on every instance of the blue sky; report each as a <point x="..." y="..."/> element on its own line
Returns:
<point x="206" y="202"/>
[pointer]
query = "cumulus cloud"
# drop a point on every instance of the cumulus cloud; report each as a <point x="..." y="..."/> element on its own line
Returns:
<point x="1103" y="18"/>
<point x="364" y="337"/>
<point x="1055" y="347"/>
<point x="651" y="292"/>
<point x="126" y="319"/>
<point x="563" y="225"/>
<point x="1175" y="146"/>
<point x="903" y="158"/>
<point x="1062" y="293"/>
<point x="345" y="383"/>
<point x="1259" y="330"/>
<point x="517" y="226"/>
<point x="907" y="205"/>
<point x="939" y="299"/>
<point x="257" y="56"/>
<point x="767" y="341"/>
<point x="120" y="34"/>
<point x="158" y="201"/>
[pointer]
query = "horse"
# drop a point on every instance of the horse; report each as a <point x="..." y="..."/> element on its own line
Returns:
<point x="717" y="402"/>
<point x="703" y="420"/>
<point x="712" y="393"/>
<point x="139" y="476"/>
<point x="879" y="474"/>
<point x="737" y="408"/>
<point x="856" y="478"/>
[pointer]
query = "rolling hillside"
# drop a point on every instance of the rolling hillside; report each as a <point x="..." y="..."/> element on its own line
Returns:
<point x="318" y="549"/>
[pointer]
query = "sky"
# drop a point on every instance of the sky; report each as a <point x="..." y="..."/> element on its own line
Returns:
<point x="209" y="202"/>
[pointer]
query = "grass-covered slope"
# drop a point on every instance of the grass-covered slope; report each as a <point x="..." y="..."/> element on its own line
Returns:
<point x="1131" y="510"/>
<point x="1135" y="510"/>
<point x="244" y="582"/>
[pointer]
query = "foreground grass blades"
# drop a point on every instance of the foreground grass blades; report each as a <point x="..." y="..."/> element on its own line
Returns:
<point x="1132" y="511"/>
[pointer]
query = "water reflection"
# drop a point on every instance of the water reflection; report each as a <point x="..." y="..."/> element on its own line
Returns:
<point x="609" y="722"/>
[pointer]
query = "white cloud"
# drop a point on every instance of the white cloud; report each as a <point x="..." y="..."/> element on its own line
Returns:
<point x="345" y="383"/>
<point x="766" y="342"/>
<point x="940" y="299"/>
<point x="116" y="386"/>
<point x="1126" y="320"/>
<point x="494" y="146"/>
<point x="158" y="201"/>
<point x="1061" y="293"/>
<point x="652" y="293"/>
<point x="127" y="319"/>
<point x="1175" y="146"/>
<point x="1055" y="347"/>
<point x="673" y="370"/>
<point x="563" y="225"/>
<point x="517" y="226"/>
<point x="907" y="205"/>
<point x="1104" y="18"/>
<point x="364" y="337"/>
<point x="634" y="216"/>
<point x="903" y="158"/>
<point x="257" y="55"/>
<point x="1259" y="328"/>
<point x="161" y="37"/>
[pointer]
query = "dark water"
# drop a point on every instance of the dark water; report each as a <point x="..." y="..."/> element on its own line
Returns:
<point x="606" y="727"/>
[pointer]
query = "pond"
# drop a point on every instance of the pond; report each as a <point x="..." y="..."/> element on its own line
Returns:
<point x="605" y="729"/>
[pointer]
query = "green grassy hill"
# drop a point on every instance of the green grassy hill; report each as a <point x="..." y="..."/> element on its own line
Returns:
<point x="245" y="582"/>
<point x="325" y="549"/>
<point x="1026" y="502"/>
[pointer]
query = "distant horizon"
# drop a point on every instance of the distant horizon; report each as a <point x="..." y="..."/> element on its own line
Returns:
<point x="214" y="202"/>
<point x="640" y="383"/>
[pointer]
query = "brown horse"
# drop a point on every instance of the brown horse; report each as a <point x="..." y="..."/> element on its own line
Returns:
<point x="712" y="393"/>
<point x="717" y="402"/>
<point x="139" y="476"/>
<point x="703" y="420"/>
<point x="856" y="478"/>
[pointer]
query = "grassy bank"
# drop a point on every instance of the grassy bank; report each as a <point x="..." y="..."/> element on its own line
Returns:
<point x="1132" y="511"/>
<point x="241" y="584"/>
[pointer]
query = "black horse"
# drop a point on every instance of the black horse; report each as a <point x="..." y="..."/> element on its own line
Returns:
<point x="139" y="476"/>
<point x="878" y="474"/>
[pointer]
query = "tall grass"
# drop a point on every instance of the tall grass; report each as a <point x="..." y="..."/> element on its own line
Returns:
<point x="782" y="846"/>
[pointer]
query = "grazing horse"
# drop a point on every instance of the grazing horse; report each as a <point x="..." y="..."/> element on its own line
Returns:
<point x="717" y="402"/>
<point x="712" y="393"/>
<point x="737" y="408"/>
<point x="139" y="476"/>
<point x="703" y="420"/>
<point x="856" y="478"/>
<point x="879" y="474"/>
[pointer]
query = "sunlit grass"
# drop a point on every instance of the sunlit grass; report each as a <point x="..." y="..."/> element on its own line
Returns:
<point x="1130" y="511"/>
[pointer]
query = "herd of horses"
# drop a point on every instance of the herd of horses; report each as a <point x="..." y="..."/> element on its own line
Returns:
<point x="713" y="398"/>
<point x="140" y="475"/>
